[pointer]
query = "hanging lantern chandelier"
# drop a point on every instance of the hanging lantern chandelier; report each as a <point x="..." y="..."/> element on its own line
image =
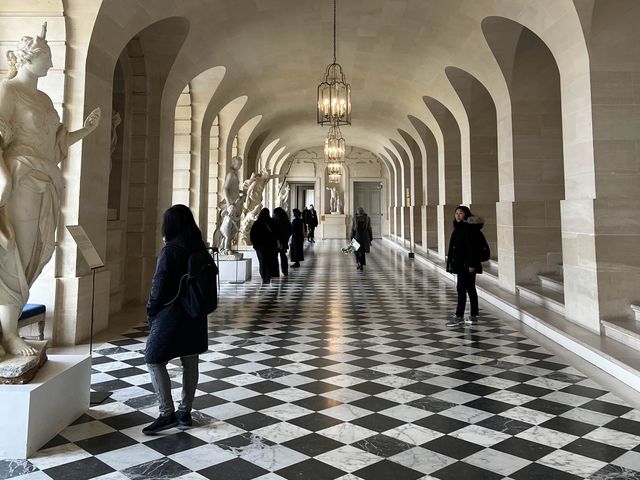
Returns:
<point x="334" y="149"/>
<point x="334" y="93"/>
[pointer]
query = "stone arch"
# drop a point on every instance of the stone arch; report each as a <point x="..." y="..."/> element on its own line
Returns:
<point x="395" y="219"/>
<point x="483" y="148"/>
<point x="533" y="80"/>
<point x="430" y="183"/>
<point x="407" y="169"/>
<point x="417" y="188"/>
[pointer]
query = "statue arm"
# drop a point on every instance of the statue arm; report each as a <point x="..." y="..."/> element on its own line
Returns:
<point x="90" y="124"/>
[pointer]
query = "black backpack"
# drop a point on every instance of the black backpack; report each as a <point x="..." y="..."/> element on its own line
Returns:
<point x="198" y="291"/>
<point x="484" y="252"/>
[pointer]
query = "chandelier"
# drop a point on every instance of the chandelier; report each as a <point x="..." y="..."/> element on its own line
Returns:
<point x="334" y="93"/>
<point x="334" y="149"/>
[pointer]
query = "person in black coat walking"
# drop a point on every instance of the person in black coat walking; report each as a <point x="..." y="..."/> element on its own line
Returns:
<point x="297" y="239"/>
<point x="283" y="232"/>
<point x="172" y="332"/>
<point x="265" y="242"/>
<point x="463" y="259"/>
<point x="312" y="222"/>
<point x="361" y="231"/>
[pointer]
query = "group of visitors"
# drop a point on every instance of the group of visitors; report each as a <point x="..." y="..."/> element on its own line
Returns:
<point x="174" y="333"/>
<point x="271" y="237"/>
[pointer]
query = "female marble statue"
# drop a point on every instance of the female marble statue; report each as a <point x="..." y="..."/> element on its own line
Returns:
<point x="231" y="208"/>
<point x="333" y="202"/>
<point x="32" y="143"/>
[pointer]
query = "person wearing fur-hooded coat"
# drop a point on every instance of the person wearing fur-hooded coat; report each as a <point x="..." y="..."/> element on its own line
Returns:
<point x="463" y="260"/>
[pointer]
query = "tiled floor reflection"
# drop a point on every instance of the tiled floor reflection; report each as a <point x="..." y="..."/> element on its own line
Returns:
<point x="333" y="373"/>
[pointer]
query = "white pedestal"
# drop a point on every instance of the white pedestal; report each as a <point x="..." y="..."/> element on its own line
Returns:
<point x="34" y="413"/>
<point x="334" y="226"/>
<point x="228" y="270"/>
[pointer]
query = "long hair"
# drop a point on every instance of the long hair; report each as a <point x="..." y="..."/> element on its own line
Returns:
<point x="178" y="221"/>
<point x="280" y="215"/>
<point x="263" y="216"/>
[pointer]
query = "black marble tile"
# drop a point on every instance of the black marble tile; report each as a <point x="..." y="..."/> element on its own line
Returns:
<point x="567" y="425"/>
<point x="127" y="372"/>
<point x="523" y="448"/>
<point x="504" y="424"/>
<point x="236" y="469"/>
<point x="432" y="404"/>
<point x="83" y="469"/>
<point x="530" y="390"/>
<point x="599" y="451"/>
<point x="252" y="421"/>
<point x="547" y="406"/>
<point x="174" y="443"/>
<point x="615" y="472"/>
<point x="15" y="468"/>
<point x="311" y="469"/>
<point x="440" y="423"/>
<point x="452" y="447"/>
<point x="460" y="470"/>
<point x="423" y="388"/>
<point x="377" y="422"/>
<point x="106" y="443"/>
<point x="205" y="401"/>
<point x="387" y="470"/>
<point x="259" y="402"/>
<point x="371" y="388"/>
<point x="163" y="468"/>
<point x="127" y="420"/>
<point x="374" y="404"/>
<point x="313" y="444"/>
<point x="315" y="421"/>
<point x="317" y="403"/>
<point x="536" y="471"/>
<point x="216" y="385"/>
<point x="625" y="425"/>
<point x="382" y="445"/>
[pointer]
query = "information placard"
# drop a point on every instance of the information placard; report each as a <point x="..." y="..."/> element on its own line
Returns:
<point x="85" y="246"/>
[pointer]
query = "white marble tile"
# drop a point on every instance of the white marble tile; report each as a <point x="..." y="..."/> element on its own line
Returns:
<point x="124" y="394"/>
<point x="546" y="436"/>
<point x="81" y="431"/>
<point x="614" y="437"/>
<point x="344" y="395"/>
<point x="566" y="399"/>
<point x="202" y="457"/>
<point x="588" y="416"/>
<point x="214" y="432"/>
<point x="243" y="379"/>
<point x="422" y="460"/>
<point x="348" y="458"/>
<point x="528" y="415"/>
<point x="344" y="380"/>
<point x="572" y="463"/>
<point x="109" y="410"/>
<point x="347" y="433"/>
<point x="129" y="456"/>
<point x="226" y="410"/>
<point x="510" y="397"/>
<point x="270" y="457"/>
<point x="292" y="380"/>
<point x="389" y="369"/>
<point x="630" y="460"/>
<point x="286" y="411"/>
<point x="52" y="457"/>
<point x="290" y="394"/>
<point x="394" y="381"/>
<point x="445" y="382"/>
<point x="281" y="432"/>
<point x="399" y="396"/>
<point x="413" y="434"/>
<point x="466" y="414"/>
<point x="496" y="461"/>
<point x="347" y="412"/>
<point x="249" y="367"/>
<point x="406" y="413"/>
<point x="480" y="435"/>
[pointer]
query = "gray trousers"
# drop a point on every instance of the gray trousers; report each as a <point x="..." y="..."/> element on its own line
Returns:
<point x="162" y="384"/>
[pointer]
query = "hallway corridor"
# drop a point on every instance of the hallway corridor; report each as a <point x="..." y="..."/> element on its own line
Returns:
<point x="333" y="373"/>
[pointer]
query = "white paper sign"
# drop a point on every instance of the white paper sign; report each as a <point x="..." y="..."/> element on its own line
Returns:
<point x="85" y="246"/>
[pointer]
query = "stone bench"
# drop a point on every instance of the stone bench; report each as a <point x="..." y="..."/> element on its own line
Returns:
<point x="33" y="313"/>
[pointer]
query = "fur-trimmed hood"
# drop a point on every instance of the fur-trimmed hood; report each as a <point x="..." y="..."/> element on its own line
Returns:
<point x="476" y="220"/>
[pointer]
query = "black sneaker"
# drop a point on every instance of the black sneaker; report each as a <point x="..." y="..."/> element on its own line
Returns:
<point x="184" y="420"/>
<point x="163" y="422"/>
<point x="455" y="321"/>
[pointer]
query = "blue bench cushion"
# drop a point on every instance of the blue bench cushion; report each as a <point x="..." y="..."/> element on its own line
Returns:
<point x="32" y="310"/>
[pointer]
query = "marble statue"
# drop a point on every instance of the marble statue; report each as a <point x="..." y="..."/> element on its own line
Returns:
<point x="116" y="120"/>
<point x="231" y="207"/>
<point x="32" y="144"/>
<point x="254" y="187"/>
<point x="284" y="197"/>
<point x="333" y="203"/>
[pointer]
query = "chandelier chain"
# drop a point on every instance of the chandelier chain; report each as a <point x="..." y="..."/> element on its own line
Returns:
<point x="334" y="31"/>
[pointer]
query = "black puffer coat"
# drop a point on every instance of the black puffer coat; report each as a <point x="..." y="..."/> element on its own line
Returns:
<point x="297" y="240"/>
<point x="464" y="246"/>
<point x="173" y="333"/>
<point x="361" y="231"/>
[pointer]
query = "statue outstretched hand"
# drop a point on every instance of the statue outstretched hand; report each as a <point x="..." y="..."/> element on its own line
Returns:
<point x="92" y="121"/>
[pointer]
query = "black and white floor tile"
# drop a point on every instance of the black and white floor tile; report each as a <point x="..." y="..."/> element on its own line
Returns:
<point x="338" y="374"/>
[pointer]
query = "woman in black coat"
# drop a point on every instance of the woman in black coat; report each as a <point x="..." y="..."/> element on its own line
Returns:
<point x="172" y="332"/>
<point x="283" y="229"/>
<point x="361" y="231"/>
<point x="265" y="242"/>
<point x="297" y="239"/>
<point x="463" y="260"/>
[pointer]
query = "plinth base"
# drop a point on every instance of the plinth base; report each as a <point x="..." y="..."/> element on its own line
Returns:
<point x="36" y="412"/>
<point x="228" y="270"/>
<point x="18" y="369"/>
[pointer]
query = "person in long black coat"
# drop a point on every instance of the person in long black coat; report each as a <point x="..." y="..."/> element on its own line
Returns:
<point x="297" y="239"/>
<point x="361" y="231"/>
<point x="312" y="223"/>
<point x="265" y="242"/>
<point x="172" y="332"/>
<point x="463" y="260"/>
<point x="283" y="229"/>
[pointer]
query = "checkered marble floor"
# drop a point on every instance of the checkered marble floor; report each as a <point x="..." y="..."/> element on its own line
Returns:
<point x="333" y="373"/>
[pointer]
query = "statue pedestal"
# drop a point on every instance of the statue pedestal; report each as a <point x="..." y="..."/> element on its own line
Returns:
<point x="34" y="413"/>
<point x="334" y="226"/>
<point x="228" y="271"/>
